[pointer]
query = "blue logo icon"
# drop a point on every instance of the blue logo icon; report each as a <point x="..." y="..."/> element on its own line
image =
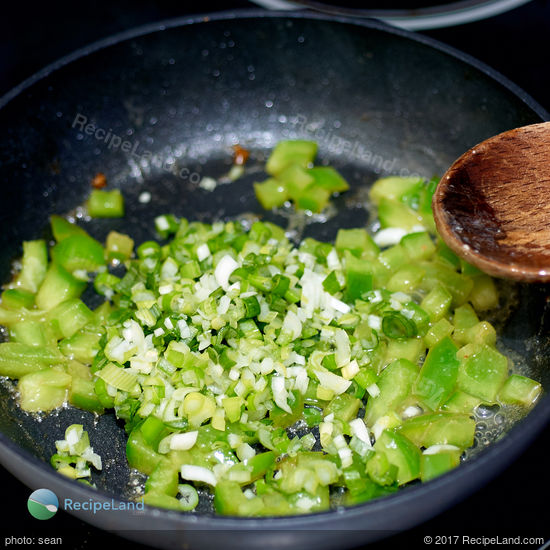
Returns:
<point x="43" y="504"/>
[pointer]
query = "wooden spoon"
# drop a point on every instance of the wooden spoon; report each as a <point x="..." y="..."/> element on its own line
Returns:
<point x="492" y="207"/>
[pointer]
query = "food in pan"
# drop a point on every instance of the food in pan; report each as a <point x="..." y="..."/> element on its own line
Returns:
<point x="282" y="379"/>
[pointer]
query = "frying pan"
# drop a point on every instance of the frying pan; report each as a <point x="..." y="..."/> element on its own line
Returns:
<point x="157" y="109"/>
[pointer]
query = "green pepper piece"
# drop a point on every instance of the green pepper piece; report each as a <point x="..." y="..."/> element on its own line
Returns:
<point x="106" y="204"/>
<point x="437" y="332"/>
<point x="34" y="265"/>
<point x="358" y="276"/>
<point x="83" y="345"/>
<point x="520" y="390"/>
<point x="153" y="430"/>
<point x="79" y="252"/>
<point x="285" y="153"/>
<point x="358" y="242"/>
<point x="82" y="395"/>
<point x="437" y="302"/>
<point x="58" y="285"/>
<point x="295" y="179"/>
<point x="395" y="384"/>
<point x="283" y="419"/>
<point x="344" y="407"/>
<point x="69" y="317"/>
<point x="437" y="377"/>
<point x="457" y="284"/>
<point x="400" y="452"/>
<point x="271" y="193"/>
<point x="44" y="390"/>
<point x="63" y="228"/>
<point x="370" y="491"/>
<point x="484" y="294"/>
<point x="17" y="359"/>
<point x="17" y="298"/>
<point x="406" y="279"/>
<point x="380" y="470"/>
<point x="164" y="478"/>
<point x="32" y="333"/>
<point x="483" y="373"/>
<point x="461" y="402"/>
<point x="141" y="456"/>
<point x="433" y="465"/>
<point x="394" y="188"/>
<point x="439" y="429"/>
<point x="118" y="246"/>
<point x="162" y="500"/>
<point x="418" y="246"/>
<point x="328" y="178"/>
<point x="229" y="498"/>
<point x="396" y="214"/>
<point x="260" y="464"/>
<point x="313" y="198"/>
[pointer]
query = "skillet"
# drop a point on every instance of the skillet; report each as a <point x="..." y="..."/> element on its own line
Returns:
<point x="378" y="100"/>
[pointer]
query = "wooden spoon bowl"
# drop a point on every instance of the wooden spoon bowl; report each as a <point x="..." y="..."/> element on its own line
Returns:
<point x="492" y="207"/>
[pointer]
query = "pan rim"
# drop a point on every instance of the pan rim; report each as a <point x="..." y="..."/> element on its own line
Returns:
<point x="228" y="15"/>
<point x="524" y="431"/>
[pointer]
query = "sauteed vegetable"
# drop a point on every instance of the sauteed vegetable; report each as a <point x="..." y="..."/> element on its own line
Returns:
<point x="286" y="379"/>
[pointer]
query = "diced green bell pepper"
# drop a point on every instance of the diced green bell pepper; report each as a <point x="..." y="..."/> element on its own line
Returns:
<point x="344" y="407"/>
<point x="483" y="373"/>
<point x="438" y="331"/>
<point x="484" y="294"/>
<point x="437" y="302"/>
<point x="380" y="470"/>
<point x="69" y="317"/>
<point x="439" y="429"/>
<point x="433" y="465"/>
<point x="396" y="214"/>
<point x="141" y="456"/>
<point x="358" y="276"/>
<point x="118" y="246"/>
<point x="82" y="395"/>
<point x="437" y="377"/>
<point x="79" y="252"/>
<point x="461" y="402"/>
<point x="393" y="187"/>
<point x="358" y="242"/>
<point x="63" y="228"/>
<point x="395" y="384"/>
<point x="34" y="265"/>
<point x="17" y="298"/>
<point x="106" y="204"/>
<point x="520" y="390"/>
<point x="58" y="285"/>
<point x="271" y="193"/>
<point x="402" y="453"/>
<point x="164" y="478"/>
<point x="328" y="178"/>
<point x="418" y="246"/>
<point x="44" y="390"/>
<point x="288" y="152"/>
<point x="17" y="359"/>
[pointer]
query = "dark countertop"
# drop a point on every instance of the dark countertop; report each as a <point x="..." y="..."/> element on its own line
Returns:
<point x="515" y="43"/>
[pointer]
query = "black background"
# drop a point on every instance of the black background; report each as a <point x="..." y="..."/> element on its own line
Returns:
<point x="515" y="43"/>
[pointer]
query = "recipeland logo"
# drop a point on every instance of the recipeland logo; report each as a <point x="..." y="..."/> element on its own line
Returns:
<point x="43" y="504"/>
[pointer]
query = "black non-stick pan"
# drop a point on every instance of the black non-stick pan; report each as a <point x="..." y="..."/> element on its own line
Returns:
<point x="159" y="108"/>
